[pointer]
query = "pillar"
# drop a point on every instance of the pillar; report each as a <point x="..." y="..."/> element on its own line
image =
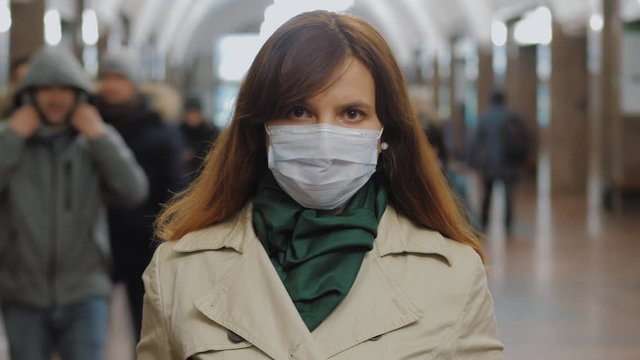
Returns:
<point x="568" y="129"/>
<point x="485" y="77"/>
<point x="27" y="28"/>
<point x="612" y="144"/>
<point x="457" y="89"/>
<point x="76" y="30"/>
<point x="435" y="85"/>
<point x="522" y="84"/>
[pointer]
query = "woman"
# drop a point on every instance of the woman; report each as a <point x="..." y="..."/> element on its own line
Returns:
<point x="321" y="226"/>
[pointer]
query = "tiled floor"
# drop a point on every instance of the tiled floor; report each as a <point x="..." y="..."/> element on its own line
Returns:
<point x="567" y="285"/>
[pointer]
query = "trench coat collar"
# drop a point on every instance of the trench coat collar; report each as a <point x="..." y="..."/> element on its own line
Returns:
<point x="396" y="235"/>
<point x="234" y="234"/>
<point x="251" y="301"/>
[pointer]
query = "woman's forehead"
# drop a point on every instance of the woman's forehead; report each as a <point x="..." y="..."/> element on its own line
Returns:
<point x="352" y="82"/>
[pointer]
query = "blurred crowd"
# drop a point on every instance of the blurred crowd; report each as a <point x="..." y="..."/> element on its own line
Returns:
<point x="87" y="164"/>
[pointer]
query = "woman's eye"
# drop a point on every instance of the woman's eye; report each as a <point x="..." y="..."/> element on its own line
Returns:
<point x="298" y="112"/>
<point x="353" y="114"/>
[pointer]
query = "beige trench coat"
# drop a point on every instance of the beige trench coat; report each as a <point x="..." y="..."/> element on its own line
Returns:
<point x="215" y="295"/>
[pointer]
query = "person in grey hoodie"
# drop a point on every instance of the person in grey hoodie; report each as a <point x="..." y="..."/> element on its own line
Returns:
<point x="59" y="166"/>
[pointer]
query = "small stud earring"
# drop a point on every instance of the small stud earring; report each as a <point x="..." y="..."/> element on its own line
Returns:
<point x="384" y="146"/>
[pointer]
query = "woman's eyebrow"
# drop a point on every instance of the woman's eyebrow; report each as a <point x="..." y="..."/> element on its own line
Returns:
<point x="356" y="104"/>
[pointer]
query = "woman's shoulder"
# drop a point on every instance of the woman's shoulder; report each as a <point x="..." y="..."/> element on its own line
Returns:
<point x="434" y="271"/>
<point x="398" y="234"/>
<point x="233" y="234"/>
<point x="188" y="268"/>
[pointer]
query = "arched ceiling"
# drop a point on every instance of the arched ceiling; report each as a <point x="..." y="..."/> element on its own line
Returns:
<point x="181" y="29"/>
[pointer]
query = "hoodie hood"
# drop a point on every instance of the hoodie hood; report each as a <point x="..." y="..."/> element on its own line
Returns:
<point x="53" y="66"/>
<point x="123" y="63"/>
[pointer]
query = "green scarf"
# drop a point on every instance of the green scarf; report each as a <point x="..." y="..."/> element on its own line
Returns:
<point x="317" y="256"/>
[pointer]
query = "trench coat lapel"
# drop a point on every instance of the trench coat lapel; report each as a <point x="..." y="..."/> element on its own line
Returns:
<point x="251" y="301"/>
<point x="374" y="306"/>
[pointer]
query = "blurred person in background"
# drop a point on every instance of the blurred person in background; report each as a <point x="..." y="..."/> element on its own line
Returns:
<point x="321" y="226"/>
<point x="60" y="165"/>
<point x="17" y="71"/>
<point x="456" y="180"/>
<point x="199" y="135"/>
<point x="501" y="147"/>
<point x="158" y="148"/>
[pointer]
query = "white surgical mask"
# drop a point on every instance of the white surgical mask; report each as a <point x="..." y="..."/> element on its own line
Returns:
<point x="322" y="166"/>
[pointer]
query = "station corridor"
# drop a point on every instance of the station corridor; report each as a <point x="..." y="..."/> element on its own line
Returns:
<point x="111" y="108"/>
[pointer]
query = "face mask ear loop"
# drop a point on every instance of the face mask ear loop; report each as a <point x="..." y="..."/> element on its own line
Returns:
<point x="266" y="129"/>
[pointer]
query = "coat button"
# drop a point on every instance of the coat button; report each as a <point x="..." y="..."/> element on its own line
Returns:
<point x="376" y="338"/>
<point x="235" y="338"/>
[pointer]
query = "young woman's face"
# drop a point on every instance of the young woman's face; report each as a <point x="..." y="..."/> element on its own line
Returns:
<point x="350" y="101"/>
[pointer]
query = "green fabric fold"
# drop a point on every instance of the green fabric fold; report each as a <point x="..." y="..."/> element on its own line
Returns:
<point x="316" y="255"/>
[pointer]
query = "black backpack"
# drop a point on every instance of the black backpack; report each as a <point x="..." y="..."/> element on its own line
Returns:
<point x="516" y="141"/>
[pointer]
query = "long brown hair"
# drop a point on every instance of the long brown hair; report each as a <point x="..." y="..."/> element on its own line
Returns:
<point x="296" y="63"/>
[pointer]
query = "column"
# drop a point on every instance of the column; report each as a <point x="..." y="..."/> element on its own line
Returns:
<point x="612" y="135"/>
<point x="435" y="85"/>
<point x="568" y="153"/>
<point x="521" y="87"/>
<point x="456" y="100"/>
<point x="27" y="29"/>
<point x="76" y="30"/>
<point x="485" y="76"/>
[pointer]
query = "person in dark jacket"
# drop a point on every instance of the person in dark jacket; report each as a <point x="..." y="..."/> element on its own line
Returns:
<point x="158" y="148"/>
<point x="492" y="157"/>
<point x="59" y="166"/>
<point x="198" y="134"/>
